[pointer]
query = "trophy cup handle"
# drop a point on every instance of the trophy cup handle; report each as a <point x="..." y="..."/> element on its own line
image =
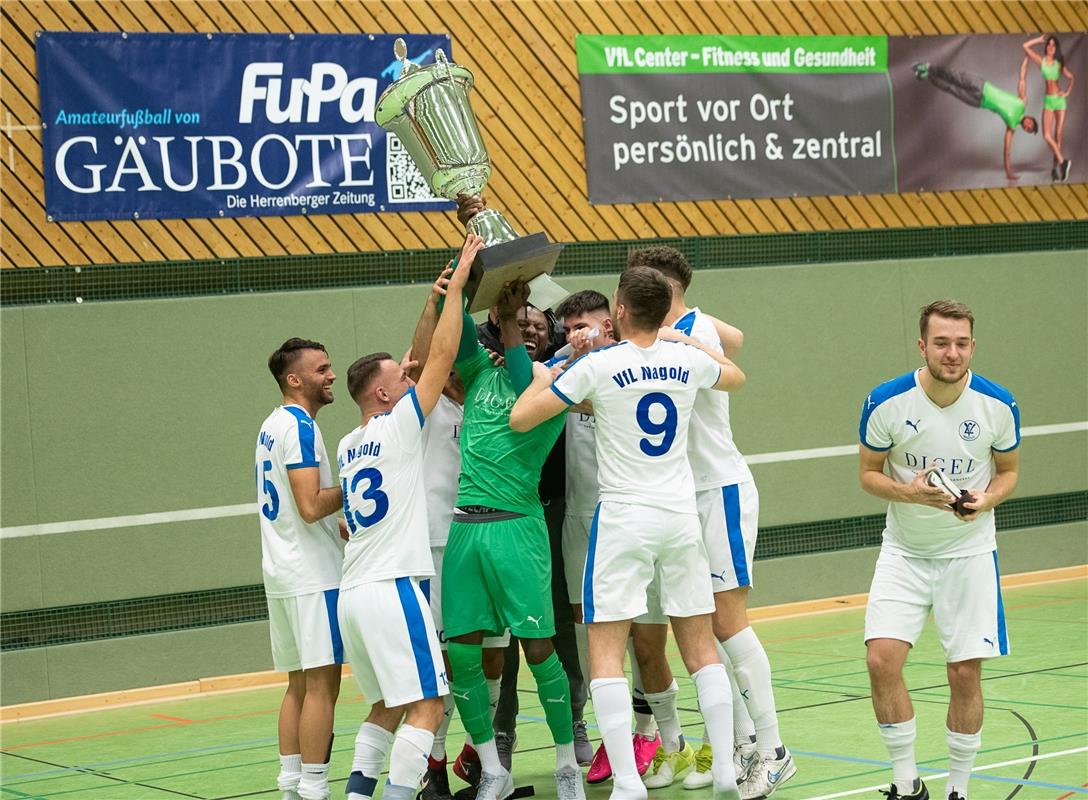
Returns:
<point x="441" y="64"/>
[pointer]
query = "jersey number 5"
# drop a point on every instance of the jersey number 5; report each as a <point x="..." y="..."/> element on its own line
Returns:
<point x="666" y="429"/>
<point x="372" y="492"/>
<point x="271" y="509"/>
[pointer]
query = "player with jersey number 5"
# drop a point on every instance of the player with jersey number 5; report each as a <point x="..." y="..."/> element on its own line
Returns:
<point x="301" y="559"/>
<point x="388" y="630"/>
<point x="933" y="558"/>
<point x="645" y="535"/>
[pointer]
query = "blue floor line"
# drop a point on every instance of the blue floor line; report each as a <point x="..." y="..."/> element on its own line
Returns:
<point x="876" y="763"/>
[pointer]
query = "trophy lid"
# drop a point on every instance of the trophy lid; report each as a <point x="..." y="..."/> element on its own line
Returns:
<point x="412" y="81"/>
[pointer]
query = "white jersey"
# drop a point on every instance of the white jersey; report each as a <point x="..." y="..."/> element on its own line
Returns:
<point x="898" y="417"/>
<point x="381" y="473"/>
<point x="581" y="458"/>
<point x="442" y="464"/>
<point x="715" y="459"/>
<point x="297" y="557"/>
<point x="642" y="400"/>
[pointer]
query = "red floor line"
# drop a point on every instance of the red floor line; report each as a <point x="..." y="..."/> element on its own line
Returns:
<point x="1070" y="794"/>
<point x="173" y="719"/>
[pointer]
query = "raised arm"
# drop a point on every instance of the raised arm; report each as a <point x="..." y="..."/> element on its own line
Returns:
<point x="731" y="337"/>
<point x="518" y="364"/>
<point x="731" y="378"/>
<point x="1029" y="49"/>
<point x="421" y="338"/>
<point x="536" y="404"/>
<point x="444" y="343"/>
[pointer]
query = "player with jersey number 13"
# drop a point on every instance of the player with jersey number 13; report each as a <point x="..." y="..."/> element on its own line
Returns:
<point x="388" y="630"/>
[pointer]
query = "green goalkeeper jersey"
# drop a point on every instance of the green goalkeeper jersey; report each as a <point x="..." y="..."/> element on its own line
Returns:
<point x="499" y="467"/>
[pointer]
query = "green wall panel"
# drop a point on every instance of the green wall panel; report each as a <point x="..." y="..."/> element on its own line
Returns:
<point x="150" y="560"/>
<point x="21" y="574"/>
<point x="146" y="406"/>
<point x="115" y="664"/>
<point x="17" y="496"/>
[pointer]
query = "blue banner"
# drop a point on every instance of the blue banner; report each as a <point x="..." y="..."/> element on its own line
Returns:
<point x="167" y="126"/>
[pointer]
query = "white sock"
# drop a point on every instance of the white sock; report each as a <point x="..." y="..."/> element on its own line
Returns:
<point x="564" y="756"/>
<point x="899" y="740"/>
<point x="716" y="705"/>
<point x="314" y="784"/>
<point x="372" y="744"/>
<point x="290" y="772"/>
<point x="408" y="760"/>
<point x="744" y="730"/>
<point x="489" y="756"/>
<point x="494" y="689"/>
<point x="962" y="749"/>
<point x="438" y="749"/>
<point x="644" y="717"/>
<point x="752" y="671"/>
<point x="668" y="722"/>
<point x="612" y="706"/>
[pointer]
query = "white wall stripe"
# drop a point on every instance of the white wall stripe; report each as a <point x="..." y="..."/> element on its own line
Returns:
<point x="245" y="509"/>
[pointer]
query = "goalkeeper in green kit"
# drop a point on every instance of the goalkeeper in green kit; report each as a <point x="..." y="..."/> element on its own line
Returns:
<point x="497" y="569"/>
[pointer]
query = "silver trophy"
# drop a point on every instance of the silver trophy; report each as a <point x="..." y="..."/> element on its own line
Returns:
<point x="428" y="109"/>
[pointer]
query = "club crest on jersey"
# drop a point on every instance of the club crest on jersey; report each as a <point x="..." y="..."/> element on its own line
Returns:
<point x="969" y="430"/>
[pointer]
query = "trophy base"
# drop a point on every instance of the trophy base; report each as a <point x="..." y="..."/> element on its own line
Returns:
<point x="497" y="265"/>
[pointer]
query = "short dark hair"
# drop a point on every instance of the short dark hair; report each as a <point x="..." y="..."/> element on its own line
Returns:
<point x="281" y="361"/>
<point x="362" y="372"/>
<point x="582" y="302"/>
<point x="646" y="295"/>
<point x="669" y="261"/>
<point x="950" y="309"/>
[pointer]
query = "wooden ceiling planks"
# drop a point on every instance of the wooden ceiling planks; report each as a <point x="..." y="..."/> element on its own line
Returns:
<point x="528" y="103"/>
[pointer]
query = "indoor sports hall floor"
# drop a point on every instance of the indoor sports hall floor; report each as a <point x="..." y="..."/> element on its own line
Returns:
<point x="1035" y="739"/>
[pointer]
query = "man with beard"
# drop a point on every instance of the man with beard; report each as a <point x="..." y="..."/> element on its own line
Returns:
<point x="943" y="419"/>
<point x="497" y="570"/>
<point x="301" y="561"/>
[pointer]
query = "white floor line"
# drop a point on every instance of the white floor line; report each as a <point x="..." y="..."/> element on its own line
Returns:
<point x="939" y="775"/>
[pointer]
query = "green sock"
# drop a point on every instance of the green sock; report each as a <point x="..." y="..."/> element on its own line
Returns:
<point x="469" y="691"/>
<point x="554" y="691"/>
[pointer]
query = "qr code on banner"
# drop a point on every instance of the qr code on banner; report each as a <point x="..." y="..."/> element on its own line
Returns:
<point x="406" y="183"/>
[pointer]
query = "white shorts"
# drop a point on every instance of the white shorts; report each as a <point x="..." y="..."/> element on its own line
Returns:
<point x="575" y="546"/>
<point x="636" y="550"/>
<point x="729" y="516"/>
<point x="304" y="631"/>
<point x="432" y="590"/>
<point x="964" y="594"/>
<point x="391" y="643"/>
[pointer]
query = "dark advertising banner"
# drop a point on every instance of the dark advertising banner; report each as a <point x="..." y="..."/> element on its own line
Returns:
<point x="222" y="125"/>
<point x="673" y="118"/>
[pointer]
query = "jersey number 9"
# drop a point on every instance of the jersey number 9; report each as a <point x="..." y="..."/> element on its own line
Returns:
<point x="666" y="429"/>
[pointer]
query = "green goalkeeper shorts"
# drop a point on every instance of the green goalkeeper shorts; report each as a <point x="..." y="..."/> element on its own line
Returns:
<point x="497" y="574"/>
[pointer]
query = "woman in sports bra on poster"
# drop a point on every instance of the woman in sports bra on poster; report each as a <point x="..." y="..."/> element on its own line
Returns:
<point x="1052" y="65"/>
